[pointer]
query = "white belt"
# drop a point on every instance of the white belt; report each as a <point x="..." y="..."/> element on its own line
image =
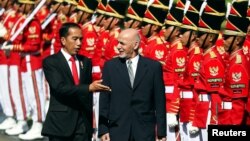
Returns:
<point x="204" y="97"/>
<point x="169" y="89"/>
<point x="226" y="105"/>
<point x="186" y="94"/>
<point x="96" y="69"/>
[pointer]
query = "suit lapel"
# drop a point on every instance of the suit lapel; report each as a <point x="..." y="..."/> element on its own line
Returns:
<point x="82" y="68"/>
<point x="140" y="71"/>
<point x="65" y="65"/>
<point x="123" y="71"/>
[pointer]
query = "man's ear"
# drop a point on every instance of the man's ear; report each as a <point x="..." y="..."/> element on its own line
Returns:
<point x="63" y="40"/>
<point x="136" y="47"/>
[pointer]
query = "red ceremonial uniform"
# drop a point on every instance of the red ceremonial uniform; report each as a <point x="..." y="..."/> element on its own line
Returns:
<point x="9" y="19"/>
<point x="211" y="79"/>
<point x="89" y="40"/>
<point x="98" y="58"/>
<point x="111" y="46"/>
<point x="237" y="86"/>
<point x="188" y="97"/>
<point x="175" y="68"/>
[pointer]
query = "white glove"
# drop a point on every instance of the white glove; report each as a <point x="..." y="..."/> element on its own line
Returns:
<point x="192" y="129"/>
<point x="7" y="47"/>
<point x="3" y="30"/>
<point x="172" y="120"/>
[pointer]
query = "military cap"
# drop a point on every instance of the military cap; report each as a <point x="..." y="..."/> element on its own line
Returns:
<point x="88" y="6"/>
<point x="239" y="8"/>
<point x="74" y="2"/>
<point x="191" y="16"/>
<point x="215" y="7"/>
<point x="180" y="4"/>
<point x="136" y="11"/>
<point x="27" y="1"/>
<point x="212" y="16"/>
<point x="143" y="2"/>
<point x="195" y="6"/>
<point x="101" y="7"/>
<point x="190" y="20"/>
<point x="210" y="23"/>
<point x="163" y="4"/>
<point x="174" y="16"/>
<point x="59" y="1"/>
<point x="155" y="16"/>
<point x="117" y="8"/>
<point x="236" y="26"/>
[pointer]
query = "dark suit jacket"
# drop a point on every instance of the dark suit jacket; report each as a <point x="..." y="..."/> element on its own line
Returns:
<point x="138" y="110"/>
<point x="67" y="100"/>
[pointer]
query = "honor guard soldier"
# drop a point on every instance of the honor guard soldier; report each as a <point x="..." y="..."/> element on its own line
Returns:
<point x="103" y="36"/>
<point x="153" y="21"/>
<point x="86" y="9"/>
<point x="7" y="87"/>
<point x="69" y="8"/>
<point x="188" y="97"/>
<point x="31" y="70"/>
<point x="65" y="9"/>
<point x="175" y="67"/>
<point x="238" y="10"/>
<point x="237" y="74"/>
<point x="115" y="14"/>
<point x="212" y="71"/>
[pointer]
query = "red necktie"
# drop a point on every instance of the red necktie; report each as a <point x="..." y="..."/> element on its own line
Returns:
<point x="74" y="70"/>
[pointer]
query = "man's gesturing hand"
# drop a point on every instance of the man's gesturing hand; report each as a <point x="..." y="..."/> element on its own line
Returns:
<point x="97" y="86"/>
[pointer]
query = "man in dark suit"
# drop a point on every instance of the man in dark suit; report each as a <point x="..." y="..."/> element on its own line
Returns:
<point x="135" y="108"/>
<point x="69" y="116"/>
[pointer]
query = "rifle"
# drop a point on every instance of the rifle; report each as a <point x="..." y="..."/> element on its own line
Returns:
<point x="48" y="20"/>
<point x="27" y="20"/>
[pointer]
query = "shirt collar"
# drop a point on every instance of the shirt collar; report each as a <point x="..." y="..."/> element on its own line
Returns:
<point x="66" y="55"/>
<point x="134" y="60"/>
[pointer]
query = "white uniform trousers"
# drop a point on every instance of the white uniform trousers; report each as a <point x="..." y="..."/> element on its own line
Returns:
<point x="17" y="92"/>
<point x="34" y="94"/>
<point x="5" y="93"/>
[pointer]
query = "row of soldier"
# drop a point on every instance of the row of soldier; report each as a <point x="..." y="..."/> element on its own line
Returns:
<point x="205" y="67"/>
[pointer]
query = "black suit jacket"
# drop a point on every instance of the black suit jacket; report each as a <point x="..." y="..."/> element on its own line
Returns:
<point x="68" y="102"/>
<point x="136" y="111"/>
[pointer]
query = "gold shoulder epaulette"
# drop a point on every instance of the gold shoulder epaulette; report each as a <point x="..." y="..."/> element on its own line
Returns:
<point x="212" y="54"/>
<point x="90" y="27"/>
<point x="197" y="50"/>
<point x="158" y="40"/>
<point x="179" y="46"/>
<point x="238" y="59"/>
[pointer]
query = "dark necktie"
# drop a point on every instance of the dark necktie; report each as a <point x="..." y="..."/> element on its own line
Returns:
<point x="74" y="70"/>
<point x="130" y="72"/>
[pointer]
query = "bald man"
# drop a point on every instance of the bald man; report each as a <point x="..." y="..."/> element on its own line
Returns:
<point x="135" y="108"/>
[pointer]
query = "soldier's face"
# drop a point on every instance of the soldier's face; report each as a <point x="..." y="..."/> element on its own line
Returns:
<point x="185" y="36"/>
<point x="4" y="3"/>
<point x="146" y="30"/>
<point x="202" y="39"/>
<point x="228" y="41"/>
<point x="72" y="42"/>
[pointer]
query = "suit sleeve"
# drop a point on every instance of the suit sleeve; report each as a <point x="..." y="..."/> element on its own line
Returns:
<point x="61" y="88"/>
<point x="160" y="101"/>
<point x="104" y="104"/>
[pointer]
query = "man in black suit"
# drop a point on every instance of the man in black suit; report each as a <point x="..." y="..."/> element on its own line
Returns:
<point x="135" y="108"/>
<point x="69" y="116"/>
